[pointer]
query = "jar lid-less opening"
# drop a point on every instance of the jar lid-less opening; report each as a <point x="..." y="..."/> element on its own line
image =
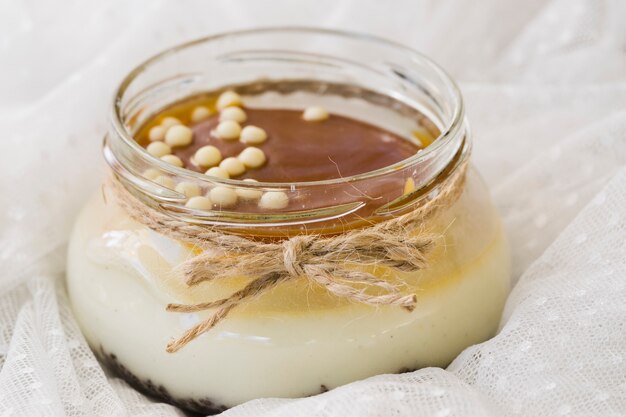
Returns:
<point x="213" y="62"/>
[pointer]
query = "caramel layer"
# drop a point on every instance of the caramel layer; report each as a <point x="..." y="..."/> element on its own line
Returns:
<point x="298" y="150"/>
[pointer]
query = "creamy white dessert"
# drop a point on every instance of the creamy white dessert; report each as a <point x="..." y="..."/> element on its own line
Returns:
<point x="295" y="340"/>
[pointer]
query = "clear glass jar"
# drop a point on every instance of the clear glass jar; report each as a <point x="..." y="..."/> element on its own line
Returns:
<point x="297" y="339"/>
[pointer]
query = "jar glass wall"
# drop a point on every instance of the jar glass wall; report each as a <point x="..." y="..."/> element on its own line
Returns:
<point x="296" y="339"/>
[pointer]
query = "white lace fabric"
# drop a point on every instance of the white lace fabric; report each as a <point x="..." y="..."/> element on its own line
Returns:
<point x="545" y="90"/>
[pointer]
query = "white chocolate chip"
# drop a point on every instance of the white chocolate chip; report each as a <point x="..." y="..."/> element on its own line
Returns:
<point x="274" y="200"/>
<point x="189" y="189"/>
<point x="233" y="166"/>
<point x="223" y="196"/>
<point x="158" y="149"/>
<point x="200" y="113"/>
<point x="172" y="159"/>
<point x="207" y="156"/>
<point x="253" y="135"/>
<point x="249" y="193"/>
<point x="315" y="114"/>
<point x="166" y="182"/>
<point x="178" y="135"/>
<point x="228" y="99"/>
<point x="199" y="203"/>
<point x="228" y="129"/>
<point x="151" y="174"/>
<point x="168" y="122"/>
<point x="252" y="157"/>
<point x="218" y="172"/>
<point x="233" y="113"/>
<point x="157" y="133"/>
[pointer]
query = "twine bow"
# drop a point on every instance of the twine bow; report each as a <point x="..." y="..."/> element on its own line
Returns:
<point x="324" y="261"/>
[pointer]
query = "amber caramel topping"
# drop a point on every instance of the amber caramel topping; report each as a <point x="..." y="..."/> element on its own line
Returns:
<point x="299" y="150"/>
<point x="290" y="146"/>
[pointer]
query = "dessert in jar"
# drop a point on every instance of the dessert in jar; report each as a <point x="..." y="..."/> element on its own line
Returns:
<point x="288" y="210"/>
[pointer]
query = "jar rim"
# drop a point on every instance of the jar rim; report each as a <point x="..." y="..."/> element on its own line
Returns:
<point x="447" y="134"/>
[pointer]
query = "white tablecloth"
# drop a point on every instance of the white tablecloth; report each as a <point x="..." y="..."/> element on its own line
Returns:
<point x="545" y="88"/>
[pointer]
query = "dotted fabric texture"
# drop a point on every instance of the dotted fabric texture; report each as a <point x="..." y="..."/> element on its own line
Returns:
<point x="545" y="90"/>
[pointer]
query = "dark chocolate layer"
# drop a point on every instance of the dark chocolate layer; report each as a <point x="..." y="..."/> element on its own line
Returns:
<point x="204" y="406"/>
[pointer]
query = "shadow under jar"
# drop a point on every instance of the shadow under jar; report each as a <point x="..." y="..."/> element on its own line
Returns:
<point x="295" y="338"/>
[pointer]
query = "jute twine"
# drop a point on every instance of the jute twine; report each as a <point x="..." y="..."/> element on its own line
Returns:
<point x="337" y="263"/>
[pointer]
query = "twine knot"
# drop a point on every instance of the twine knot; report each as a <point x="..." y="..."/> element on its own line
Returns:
<point x="293" y="250"/>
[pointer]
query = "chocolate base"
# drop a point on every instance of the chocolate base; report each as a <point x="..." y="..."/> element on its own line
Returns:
<point x="196" y="407"/>
<point x="202" y="406"/>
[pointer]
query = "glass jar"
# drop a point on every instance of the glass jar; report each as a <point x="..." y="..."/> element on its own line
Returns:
<point x="296" y="339"/>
